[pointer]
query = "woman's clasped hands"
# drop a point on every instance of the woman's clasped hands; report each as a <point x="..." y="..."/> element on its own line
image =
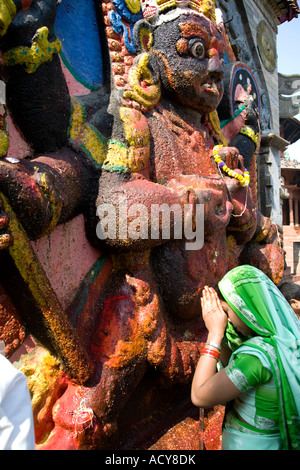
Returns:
<point x="214" y="316"/>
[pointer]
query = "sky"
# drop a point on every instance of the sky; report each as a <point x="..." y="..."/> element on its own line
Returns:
<point x="288" y="52"/>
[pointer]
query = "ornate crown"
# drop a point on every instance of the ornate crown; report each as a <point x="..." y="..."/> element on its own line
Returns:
<point x="153" y="9"/>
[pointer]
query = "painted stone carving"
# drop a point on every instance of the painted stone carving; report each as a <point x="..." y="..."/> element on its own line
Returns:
<point x="266" y="46"/>
<point x="151" y="136"/>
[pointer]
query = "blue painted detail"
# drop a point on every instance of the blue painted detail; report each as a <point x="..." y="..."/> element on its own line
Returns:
<point x="122" y="12"/>
<point x="226" y="59"/>
<point x="77" y="27"/>
<point x="82" y="293"/>
<point x="120" y="28"/>
<point x="122" y="9"/>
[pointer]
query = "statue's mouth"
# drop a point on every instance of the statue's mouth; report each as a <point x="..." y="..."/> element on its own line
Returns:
<point x="211" y="87"/>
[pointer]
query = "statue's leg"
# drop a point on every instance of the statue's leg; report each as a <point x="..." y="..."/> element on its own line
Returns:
<point x="87" y="417"/>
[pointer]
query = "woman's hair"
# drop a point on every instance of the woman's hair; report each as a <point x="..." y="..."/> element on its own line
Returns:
<point x="220" y="295"/>
<point x="289" y="290"/>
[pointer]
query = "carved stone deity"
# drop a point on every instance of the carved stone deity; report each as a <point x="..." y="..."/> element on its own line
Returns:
<point x="161" y="161"/>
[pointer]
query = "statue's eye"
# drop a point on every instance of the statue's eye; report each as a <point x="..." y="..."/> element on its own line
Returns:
<point x="198" y="50"/>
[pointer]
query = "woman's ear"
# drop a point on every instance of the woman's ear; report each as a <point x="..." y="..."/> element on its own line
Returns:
<point x="295" y="304"/>
<point x="143" y="36"/>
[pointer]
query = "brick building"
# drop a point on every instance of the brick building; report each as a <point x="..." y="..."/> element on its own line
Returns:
<point x="290" y="194"/>
<point x="290" y="171"/>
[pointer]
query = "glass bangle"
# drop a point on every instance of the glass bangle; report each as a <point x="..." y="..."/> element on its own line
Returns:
<point x="215" y="345"/>
<point x="210" y="352"/>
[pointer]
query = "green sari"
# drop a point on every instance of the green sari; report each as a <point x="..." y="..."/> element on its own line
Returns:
<point x="260" y="304"/>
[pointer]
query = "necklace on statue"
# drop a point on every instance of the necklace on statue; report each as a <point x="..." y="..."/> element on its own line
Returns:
<point x="244" y="179"/>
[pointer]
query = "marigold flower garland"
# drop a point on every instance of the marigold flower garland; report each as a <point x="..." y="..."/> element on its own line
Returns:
<point x="244" y="179"/>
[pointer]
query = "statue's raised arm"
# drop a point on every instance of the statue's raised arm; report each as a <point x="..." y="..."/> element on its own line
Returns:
<point x="36" y="90"/>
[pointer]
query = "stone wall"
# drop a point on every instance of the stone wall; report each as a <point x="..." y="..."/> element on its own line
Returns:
<point x="263" y="22"/>
<point x="252" y="29"/>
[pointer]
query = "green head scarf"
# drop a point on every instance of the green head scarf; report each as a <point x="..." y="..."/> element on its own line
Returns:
<point x="259" y="303"/>
<point x="233" y="339"/>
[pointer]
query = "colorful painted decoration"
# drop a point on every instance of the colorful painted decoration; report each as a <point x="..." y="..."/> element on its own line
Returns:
<point x="126" y="14"/>
<point x="76" y="26"/>
<point x="32" y="57"/>
<point x="149" y="9"/>
<point x="108" y="288"/>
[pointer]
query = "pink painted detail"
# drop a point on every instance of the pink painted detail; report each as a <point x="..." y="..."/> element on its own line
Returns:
<point x="27" y="346"/>
<point x="75" y="88"/>
<point x="18" y="147"/>
<point x="68" y="420"/>
<point x="59" y="439"/>
<point x="241" y="94"/>
<point x="83" y="418"/>
<point x="66" y="256"/>
<point x="234" y="127"/>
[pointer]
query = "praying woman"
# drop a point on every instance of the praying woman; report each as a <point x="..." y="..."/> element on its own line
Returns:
<point x="251" y="362"/>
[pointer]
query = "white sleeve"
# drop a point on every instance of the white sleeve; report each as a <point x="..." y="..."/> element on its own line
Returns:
<point x="16" y="417"/>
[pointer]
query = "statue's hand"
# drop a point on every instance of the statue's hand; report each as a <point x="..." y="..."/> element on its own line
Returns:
<point x="231" y="156"/>
<point x="188" y="198"/>
<point x="252" y="114"/>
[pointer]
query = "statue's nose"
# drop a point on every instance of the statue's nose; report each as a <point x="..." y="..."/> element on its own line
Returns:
<point x="215" y="65"/>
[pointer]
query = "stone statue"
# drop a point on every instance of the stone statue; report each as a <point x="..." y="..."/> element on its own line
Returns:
<point x="148" y="142"/>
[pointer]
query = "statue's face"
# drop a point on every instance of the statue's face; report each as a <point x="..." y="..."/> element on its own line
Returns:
<point x="190" y="55"/>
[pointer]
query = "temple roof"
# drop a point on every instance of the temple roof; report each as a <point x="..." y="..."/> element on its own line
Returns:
<point x="289" y="164"/>
<point x="290" y="170"/>
<point x="285" y="10"/>
<point x="290" y="129"/>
